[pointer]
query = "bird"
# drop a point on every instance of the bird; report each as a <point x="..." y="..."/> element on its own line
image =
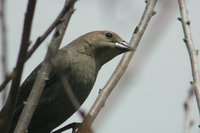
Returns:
<point x="79" y="62"/>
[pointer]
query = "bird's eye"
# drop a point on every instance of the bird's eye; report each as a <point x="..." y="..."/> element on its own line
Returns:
<point x="109" y="35"/>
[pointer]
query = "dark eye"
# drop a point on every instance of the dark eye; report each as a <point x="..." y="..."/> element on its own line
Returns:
<point x="109" y="35"/>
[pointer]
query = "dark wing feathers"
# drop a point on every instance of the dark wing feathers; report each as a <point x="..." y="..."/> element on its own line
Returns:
<point x="26" y="88"/>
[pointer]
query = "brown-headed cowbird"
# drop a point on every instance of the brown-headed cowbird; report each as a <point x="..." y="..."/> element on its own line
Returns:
<point x="79" y="62"/>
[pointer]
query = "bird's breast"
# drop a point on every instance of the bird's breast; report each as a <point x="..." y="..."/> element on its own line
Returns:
<point x="82" y="77"/>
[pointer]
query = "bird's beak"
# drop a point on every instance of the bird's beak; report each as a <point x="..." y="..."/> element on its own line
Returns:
<point x="124" y="45"/>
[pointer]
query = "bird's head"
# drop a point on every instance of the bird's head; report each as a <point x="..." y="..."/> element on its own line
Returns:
<point x="104" y="45"/>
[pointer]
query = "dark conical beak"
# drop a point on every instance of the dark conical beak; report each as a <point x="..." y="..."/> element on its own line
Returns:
<point x="123" y="45"/>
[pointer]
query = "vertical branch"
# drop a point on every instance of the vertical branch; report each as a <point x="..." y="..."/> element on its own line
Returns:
<point x="10" y="103"/>
<point x="4" y="38"/>
<point x="43" y="73"/>
<point x="119" y="71"/>
<point x="4" y="44"/>
<point x="191" y="50"/>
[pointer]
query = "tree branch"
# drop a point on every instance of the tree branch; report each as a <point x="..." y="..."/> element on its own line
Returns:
<point x="4" y="45"/>
<point x="43" y="73"/>
<point x="4" y="38"/>
<point x="39" y="40"/>
<point x="51" y="27"/>
<point x="10" y="103"/>
<point x="119" y="71"/>
<point x="191" y="50"/>
<point x="7" y="79"/>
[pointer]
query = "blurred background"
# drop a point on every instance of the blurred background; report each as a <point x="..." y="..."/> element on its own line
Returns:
<point x="150" y="96"/>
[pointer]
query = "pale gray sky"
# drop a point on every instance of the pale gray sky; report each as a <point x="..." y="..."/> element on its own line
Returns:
<point x="150" y="96"/>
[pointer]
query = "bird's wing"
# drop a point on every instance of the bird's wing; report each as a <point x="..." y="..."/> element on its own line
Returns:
<point x="27" y="85"/>
<point x="26" y="88"/>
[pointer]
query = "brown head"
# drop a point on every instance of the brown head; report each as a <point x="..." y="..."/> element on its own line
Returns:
<point x="103" y="45"/>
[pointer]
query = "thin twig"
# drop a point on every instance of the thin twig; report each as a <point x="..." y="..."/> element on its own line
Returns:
<point x="187" y="109"/>
<point x="7" y="80"/>
<point x="4" y="45"/>
<point x="38" y="41"/>
<point x="119" y="71"/>
<point x="51" y="27"/>
<point x="191" y="50"/>
<point x="4" y="37"/>
<point x="6" y="113"/>
<point x="43" y="74"/>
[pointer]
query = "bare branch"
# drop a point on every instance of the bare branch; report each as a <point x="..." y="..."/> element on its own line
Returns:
<point x="4" y="38"/>
<point x="4" y="44"/>
<point x="7" y="80"/>
<point x="43" y="74"/>
<point x="10" y="103"/>
<point x="191" y="50"/>
<point x="38" y="41"/>
<point x="119" y="71"/>
<point x="51" y="27"/>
